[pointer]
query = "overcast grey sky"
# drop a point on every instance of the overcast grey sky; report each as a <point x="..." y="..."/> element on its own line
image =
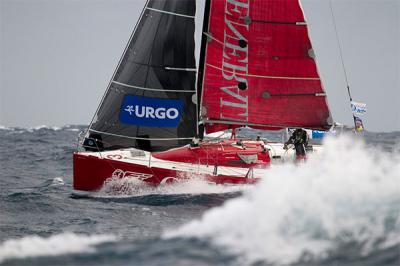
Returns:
<point x="57" y="57"/>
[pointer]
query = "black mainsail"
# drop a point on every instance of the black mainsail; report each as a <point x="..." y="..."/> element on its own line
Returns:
<point x="151" y="100"/>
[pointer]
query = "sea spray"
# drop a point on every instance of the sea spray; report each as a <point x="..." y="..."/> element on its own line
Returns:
<point x="348" y="197"/>
<point x="193" y="185"/>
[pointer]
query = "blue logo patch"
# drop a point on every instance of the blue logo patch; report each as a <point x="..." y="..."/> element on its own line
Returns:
<point x="150" y="112"/>
<point x="317" y="134"/>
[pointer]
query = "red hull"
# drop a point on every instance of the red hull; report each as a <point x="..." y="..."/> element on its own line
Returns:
<point x="92" y="170"/>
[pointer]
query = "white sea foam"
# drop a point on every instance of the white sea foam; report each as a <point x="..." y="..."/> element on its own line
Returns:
<point x="65" y="243"/>
<point x="351" y="193"/>
<point x="73" y="129"/>
<point x="126" y="187"/>
<point x="57" y="181"/>
<point x="30" y="129"/>
<point x="4" y="128"/>
<point x="40" y="127"/>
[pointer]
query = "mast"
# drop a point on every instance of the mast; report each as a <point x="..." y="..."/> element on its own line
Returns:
<point x="200" y="71"/>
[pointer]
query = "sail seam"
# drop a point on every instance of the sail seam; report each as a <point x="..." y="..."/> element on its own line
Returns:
<point x="170" y="13"/>
<point x="149" y="89"/>
<point x="317" y="94"/>
<point x="228" y="122"/>
<point x="262" y="76"/>
<point x="122" y="136"/>
<point x="159" y="66"/>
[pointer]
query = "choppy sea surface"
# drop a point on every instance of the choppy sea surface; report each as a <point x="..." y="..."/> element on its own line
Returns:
<point x="342" y="208"/>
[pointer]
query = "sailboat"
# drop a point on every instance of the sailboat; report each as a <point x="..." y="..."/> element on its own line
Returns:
<point x="254" y="67"/>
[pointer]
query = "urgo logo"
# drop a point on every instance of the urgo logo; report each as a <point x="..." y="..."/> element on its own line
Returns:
<point x="150" y="112"/>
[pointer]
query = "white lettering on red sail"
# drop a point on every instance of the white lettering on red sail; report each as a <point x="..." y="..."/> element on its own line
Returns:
<point x="234" y="62"/>
<point x="259" y="69"/>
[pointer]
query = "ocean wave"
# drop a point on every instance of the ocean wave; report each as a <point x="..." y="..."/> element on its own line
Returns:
<point x="349" y="197"/>
<point x="65" y="243"/>
<point x="4" y="127"/>
<point x="57" y="181"/>
<point x="74" y="128"/>
<point x="43" y="127"/>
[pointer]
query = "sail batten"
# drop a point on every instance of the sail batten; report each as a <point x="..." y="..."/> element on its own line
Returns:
<point x="295" y="23"/>
<point x="170" y="13"/>
<point x="261" y="76"/>
<point x="181" y="69"/>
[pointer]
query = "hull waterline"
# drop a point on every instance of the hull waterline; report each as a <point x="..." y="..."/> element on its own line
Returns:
<point x="226" y="162"/>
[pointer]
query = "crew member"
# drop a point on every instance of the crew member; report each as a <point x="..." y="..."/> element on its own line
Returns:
<point x="299" y="139"/>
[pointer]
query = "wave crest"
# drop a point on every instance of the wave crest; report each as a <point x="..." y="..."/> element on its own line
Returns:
<point x="65" y="243"/>
<point x="350" y="194"/>
<point x="75" y="128"/>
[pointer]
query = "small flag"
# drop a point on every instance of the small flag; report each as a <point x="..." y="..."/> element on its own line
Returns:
<point x="358" y="108"/>
<point x="359" y="127"/>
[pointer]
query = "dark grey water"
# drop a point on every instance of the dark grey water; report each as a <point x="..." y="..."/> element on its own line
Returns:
<point x="43" y="223"/>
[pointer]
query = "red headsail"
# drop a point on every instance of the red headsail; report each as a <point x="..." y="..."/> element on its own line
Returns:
<point x="259" y="68"/>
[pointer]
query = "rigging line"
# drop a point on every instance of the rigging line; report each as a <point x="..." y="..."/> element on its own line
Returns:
<point x="341" y="58"/>
<point x="262" y="76"/>
<point x="122" y="136"/>
<point x="340" y="50"/>
<point x="147" y="73"/>
<point x="144" y="89"/>
<point x="149" y="89"/>
<point x="119" y="63"/>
